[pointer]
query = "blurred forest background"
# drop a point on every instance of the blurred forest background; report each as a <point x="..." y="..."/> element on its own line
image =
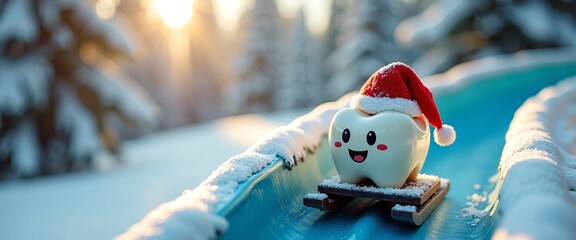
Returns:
<point x="78" y="76"/>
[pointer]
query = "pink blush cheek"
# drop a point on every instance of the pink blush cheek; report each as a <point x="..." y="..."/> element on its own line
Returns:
<point x="338" y="144"/>
<point x="382" y="147"/>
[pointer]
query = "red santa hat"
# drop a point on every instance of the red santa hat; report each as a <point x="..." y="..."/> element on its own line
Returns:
<point x="396" y="87"/>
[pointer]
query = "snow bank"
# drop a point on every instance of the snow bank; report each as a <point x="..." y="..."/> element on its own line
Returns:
<point x="538" y="167"/>
<point x="193" y="215"/>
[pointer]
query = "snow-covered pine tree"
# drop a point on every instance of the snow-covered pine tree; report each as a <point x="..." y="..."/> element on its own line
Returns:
<point x="365" y="43"/>
<point x="209" y="64"/>
<point x="56" y="102"/>
<point x="337" y="10"/>
<point x="155" y="69"/>
<point x="454" y="31"/>
<point x="257" y="66"/>
<point x="525" y="24"/>
<point x="300" y="83"/>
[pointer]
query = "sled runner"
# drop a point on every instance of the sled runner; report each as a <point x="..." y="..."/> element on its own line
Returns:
<point x="414" y="201"/>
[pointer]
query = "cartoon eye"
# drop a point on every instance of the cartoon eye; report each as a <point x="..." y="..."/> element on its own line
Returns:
<point x="371" y="138"/>
<point x="346" y="135"/>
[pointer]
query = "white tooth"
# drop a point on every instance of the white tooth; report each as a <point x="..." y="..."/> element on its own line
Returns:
<point x="407" y="146"/>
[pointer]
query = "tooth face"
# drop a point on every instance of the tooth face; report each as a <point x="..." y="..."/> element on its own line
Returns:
<point x="385" y="147"/>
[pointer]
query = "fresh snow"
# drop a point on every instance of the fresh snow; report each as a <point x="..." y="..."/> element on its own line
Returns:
<point x="23" y="83"/>
<point x="404" y="208"/>
<point x="363" y="45"/>
<point x="155" y="169"/>
<point x="437" y="29"/>
<point x="318" y="196"/>
<point x="538" y="25"/>
<point x="538" y="167"/>
<point x="32" y="90"/>
<point x="23" y="144"/>
<point x="430" y="28"/>
<point x="427" y="181"/>
<point x="412" y="189"/>
<point x="258" y="64"/>
<point x="434" y="23"/>
<point x="465" y="74"/>
<point x="16" y="21"/>
<point x="74" y="119"/>
<point x="122" y="92"/>
<point x="111" y="34"/>
<point x="288" y="143"/>
<point x="475" y="211"/>
<point x="301" y="81"/>
<point x="478" y="207"/>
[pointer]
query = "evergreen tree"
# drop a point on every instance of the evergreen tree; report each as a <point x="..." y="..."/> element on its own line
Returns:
<point x="257" y="67"/>
<point x="155" y="68"/>
<point x="365" y="43"/>
<point x="453" y="31"/>
<point x="187" y="87"/>
<point x="301" y="78"/>
<point x="58" y="100"/>
<point x="337" y="16"/>
<point x="209" y="64"/>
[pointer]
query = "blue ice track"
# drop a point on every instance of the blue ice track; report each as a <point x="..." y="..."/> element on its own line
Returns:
<point x="269" y="205"/>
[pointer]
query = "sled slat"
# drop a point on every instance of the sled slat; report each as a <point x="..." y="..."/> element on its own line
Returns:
<point x="418" y="214"/>
<point x="397" y="195"/>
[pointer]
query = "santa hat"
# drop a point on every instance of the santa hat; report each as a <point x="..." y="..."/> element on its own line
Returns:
<point x="396" y="87"/>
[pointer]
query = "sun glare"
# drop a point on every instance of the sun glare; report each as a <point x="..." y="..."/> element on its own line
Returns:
<point x="174" y="13"/>
<point x="106" y="9"/>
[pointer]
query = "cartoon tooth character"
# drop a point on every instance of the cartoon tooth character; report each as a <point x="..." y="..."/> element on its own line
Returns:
<point x="385" y="134"/>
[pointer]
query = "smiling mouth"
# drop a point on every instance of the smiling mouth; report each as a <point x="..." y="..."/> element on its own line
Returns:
<point x="358" y="156"/>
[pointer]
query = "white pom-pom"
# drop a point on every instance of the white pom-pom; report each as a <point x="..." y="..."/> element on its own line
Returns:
<point x="445" y="135"/>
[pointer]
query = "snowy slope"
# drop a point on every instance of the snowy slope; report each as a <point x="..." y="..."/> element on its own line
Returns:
<point x="289" y="144"/>
<point x="100" y="205"/>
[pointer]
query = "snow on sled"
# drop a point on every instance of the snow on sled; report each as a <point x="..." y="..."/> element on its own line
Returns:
<point x="414" y="201"/>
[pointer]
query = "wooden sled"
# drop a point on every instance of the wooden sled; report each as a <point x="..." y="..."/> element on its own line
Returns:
<point x="414" y="201"/>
